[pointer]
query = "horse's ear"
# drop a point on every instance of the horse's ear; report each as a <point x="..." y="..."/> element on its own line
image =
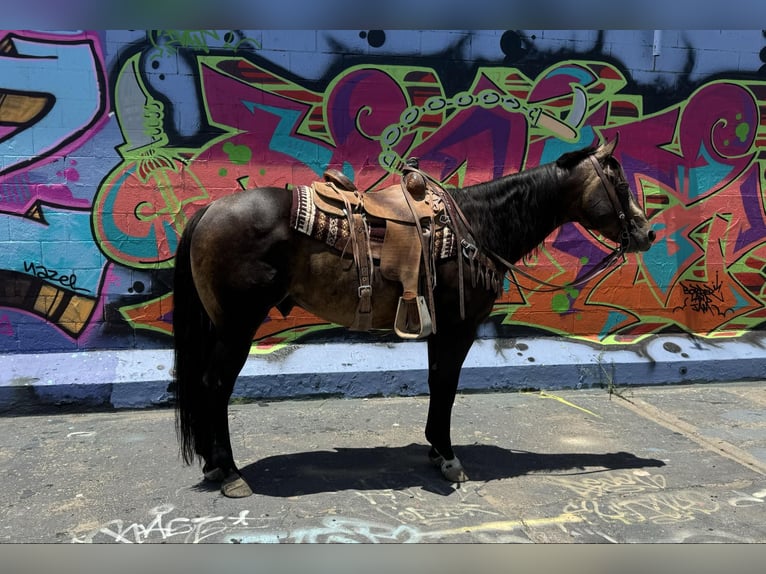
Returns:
<point x="607" y="149"/>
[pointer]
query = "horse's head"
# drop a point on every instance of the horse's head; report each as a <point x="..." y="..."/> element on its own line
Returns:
<point x="606" y="203"/>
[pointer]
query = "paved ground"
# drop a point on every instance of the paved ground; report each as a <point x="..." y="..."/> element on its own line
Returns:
<point x="662" y="464"/>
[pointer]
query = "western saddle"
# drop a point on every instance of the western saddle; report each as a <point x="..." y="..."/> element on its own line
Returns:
<point x="411" y="212"/>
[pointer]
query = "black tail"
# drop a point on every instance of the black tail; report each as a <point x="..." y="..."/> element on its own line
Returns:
<point x="193" y="340"/>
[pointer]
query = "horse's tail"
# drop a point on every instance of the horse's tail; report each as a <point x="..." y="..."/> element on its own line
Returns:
<point x="193" y="340"/>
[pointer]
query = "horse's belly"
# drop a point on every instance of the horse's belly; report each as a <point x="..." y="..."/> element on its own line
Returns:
<point x="326" y="284"/>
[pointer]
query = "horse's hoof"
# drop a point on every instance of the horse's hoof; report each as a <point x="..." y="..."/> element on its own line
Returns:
<point x="235" y="487"/>
<point x="451" y="469"/>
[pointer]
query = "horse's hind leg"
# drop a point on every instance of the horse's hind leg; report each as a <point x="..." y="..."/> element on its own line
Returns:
<point x="227" y="359"/>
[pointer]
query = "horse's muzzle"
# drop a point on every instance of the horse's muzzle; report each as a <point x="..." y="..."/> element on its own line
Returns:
<point x="642" y="240"/>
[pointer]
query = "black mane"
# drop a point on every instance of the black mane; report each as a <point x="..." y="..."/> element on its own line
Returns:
<point x="513" y="214"/>
<point x="570" y="159"/>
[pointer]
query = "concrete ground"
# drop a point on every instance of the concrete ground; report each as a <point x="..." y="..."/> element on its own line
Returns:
<point x="657" y="464"/>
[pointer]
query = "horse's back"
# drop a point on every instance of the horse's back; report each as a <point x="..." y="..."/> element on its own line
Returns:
<point x="259" y="210"/>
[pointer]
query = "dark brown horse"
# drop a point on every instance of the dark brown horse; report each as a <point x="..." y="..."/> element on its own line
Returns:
<point x="239" y="257"/>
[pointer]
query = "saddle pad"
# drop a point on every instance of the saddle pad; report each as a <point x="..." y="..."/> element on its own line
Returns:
<point x="334" y="230"/>
<point x="307" y="219"/>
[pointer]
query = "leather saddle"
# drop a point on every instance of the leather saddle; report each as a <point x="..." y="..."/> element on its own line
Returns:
<point x="389" y="203"/>
<point x="410" y="212"/>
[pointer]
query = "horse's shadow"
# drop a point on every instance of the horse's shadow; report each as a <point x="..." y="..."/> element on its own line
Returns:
<point x="401" y="467"/>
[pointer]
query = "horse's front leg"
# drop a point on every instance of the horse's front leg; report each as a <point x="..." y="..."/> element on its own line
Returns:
<point x="447" y="350"/>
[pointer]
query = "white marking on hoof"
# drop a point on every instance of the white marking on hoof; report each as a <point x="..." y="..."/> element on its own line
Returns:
<point x="451" y="469"/>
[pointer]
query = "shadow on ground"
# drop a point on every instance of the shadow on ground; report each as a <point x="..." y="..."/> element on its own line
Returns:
<point x="408" y="466"/>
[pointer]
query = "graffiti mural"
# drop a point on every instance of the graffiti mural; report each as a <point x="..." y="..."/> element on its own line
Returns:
<point x="53" y="99"/>
<point x="171" y="120"/>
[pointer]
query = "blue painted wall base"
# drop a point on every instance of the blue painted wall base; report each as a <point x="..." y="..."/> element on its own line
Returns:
<point x="142" y="378"/>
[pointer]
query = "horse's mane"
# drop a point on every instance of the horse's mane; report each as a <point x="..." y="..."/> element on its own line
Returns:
<point x="514" y="213"/>
<point x="570" y="159"/>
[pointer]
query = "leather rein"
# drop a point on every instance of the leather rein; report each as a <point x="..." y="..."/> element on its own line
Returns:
<point x="470" y="250"/>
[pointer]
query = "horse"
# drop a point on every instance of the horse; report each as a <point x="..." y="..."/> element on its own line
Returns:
<point x="238" y="257"/>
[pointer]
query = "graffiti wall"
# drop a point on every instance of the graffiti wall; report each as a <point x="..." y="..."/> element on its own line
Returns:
<point x="110" y="140"/>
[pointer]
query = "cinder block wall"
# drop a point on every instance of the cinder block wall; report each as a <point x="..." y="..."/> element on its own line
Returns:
<point x="110" y="139"/>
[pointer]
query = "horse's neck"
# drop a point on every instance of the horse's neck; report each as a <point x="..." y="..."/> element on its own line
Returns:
<point x="514" y="214"/>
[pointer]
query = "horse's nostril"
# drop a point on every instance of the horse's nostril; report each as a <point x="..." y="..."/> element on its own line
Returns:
<point x="652" y="235"/>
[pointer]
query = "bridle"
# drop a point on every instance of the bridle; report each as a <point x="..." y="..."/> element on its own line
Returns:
<point x="610" y="191"/>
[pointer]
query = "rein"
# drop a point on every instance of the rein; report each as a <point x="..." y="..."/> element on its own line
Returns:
<point x="470" y="250"/>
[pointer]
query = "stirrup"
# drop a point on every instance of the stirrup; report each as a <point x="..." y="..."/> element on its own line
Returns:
<point x="412" y="318"/>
